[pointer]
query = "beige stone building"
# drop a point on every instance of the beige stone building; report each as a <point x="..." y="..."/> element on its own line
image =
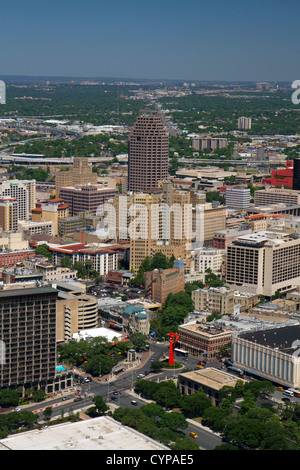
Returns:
<point x="75" y="310"/>
<point x="166" y="220"/>
<point x="214" y="299"/>
<point x="264" y="197"/>
<point x="9" y="214"/>
<point x="208" y="258"/>
<point x="80" y="173"/>
<point x="66" y="317"/>
<point x="12" y="241"/>
<point x="245" y="300"/>
<point x="155" y="222"/>
<point x="214" y="219"/>
<point x="51" y="211"/>
<point x="211" y="380"/>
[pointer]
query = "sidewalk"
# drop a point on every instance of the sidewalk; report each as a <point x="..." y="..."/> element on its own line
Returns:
<point x="138" y="364"/>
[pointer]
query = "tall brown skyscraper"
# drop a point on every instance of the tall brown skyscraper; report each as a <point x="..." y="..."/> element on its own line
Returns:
<point x="28" y="332"/>
<point x="148" y="152"/>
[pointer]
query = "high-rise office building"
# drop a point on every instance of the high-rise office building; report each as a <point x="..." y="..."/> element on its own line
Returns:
<point x="86" y="198"/>
<point x="237" y="198"/>
<point x="8" y="214"/>
<point x="296" y="174"/>
<point x="148" y="152"/>
<point x="28" y="333"/>
<point x="22" y="190"/>
<point x="154" y="222"/>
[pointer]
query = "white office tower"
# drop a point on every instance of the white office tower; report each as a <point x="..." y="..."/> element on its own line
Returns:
<point x="237" y="198"/>
<point x="23" y="191"/>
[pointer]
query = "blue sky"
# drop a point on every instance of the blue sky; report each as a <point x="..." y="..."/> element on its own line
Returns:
<point x="175" y="39"/>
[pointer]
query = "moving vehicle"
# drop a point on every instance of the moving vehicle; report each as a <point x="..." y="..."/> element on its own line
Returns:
<point x="78" y="399"/>
<point x="295" y="391"/>
<point x="133" y="402"/>
<point x="66" y="398"/>
<point x="201" y="363"/>
<point x="194" y="435"/>
<point x="281" y="389"/>
<point x="236" y="370"/>
<point x="181" y="352"/>
<point x="289" y="393"/>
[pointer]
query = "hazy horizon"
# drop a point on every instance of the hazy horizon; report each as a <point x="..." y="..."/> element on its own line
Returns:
<point x="194" y="40"/>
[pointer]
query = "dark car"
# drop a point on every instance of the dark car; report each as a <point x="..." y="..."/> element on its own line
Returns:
<point x="66" y="398"/>
<point x="114" y="398"/>
<point x="78" y="399"/>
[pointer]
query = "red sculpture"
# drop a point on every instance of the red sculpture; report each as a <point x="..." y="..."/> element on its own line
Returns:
<point x="172" y="344"/>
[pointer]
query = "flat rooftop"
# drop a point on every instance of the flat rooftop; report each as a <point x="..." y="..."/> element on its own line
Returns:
<point x="29" y="291"/>
<point x="205" y="329"/>
<point x="103" y="433"/>
<point x="281" y="338"/>
<point x="212" y="378"/>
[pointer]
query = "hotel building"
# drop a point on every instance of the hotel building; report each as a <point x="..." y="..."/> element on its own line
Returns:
<point x="263" y="263"/>
<point x="28" y="331"/>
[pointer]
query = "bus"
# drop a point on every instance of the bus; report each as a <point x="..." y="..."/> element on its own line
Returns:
<point x="235" y="370"/>
<point x="181" y="352"/>
<point x="295" y="391"/>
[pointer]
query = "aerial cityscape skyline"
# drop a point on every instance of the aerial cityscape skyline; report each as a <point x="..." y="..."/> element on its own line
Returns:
<point x="149" y="228"/>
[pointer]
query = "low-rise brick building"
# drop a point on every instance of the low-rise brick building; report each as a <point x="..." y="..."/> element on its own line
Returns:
<point x="198" y="338"/>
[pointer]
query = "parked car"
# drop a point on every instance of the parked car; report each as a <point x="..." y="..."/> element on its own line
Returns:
<point x="78" y="399"/>
<point x="194" y="435"/>
<point x="66" y="398"/>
